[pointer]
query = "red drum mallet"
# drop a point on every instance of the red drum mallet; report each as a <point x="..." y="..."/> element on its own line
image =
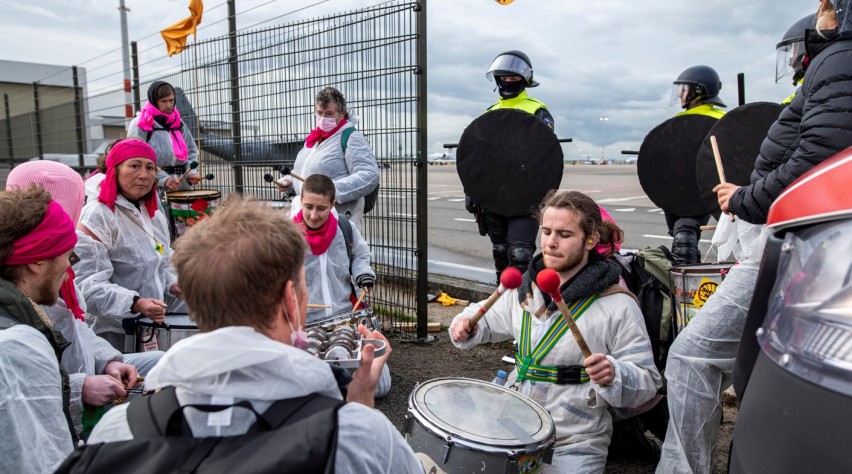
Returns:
<point x="510" y="279"/>
<point x="548" y="282"/>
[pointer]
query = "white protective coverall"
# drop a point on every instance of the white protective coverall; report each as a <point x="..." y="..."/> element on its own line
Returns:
<point x="328" y="277"/>
<point x="123" y="263"/>
<point x="612" y="325"/>
<point x="161" y="142"/>
<point x="355" y="174"/>
<point x="238" y="363"/>
<point x="700" y="364"/>
<point x="34" y="437"/>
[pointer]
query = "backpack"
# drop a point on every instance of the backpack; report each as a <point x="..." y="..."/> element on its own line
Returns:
<point x="370" y="199"/>
<point x="294" y="435"/>
<point x="646" y="273"/>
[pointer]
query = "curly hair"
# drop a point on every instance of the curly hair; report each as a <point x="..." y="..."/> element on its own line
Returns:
<point x="21" y="211"/>
<point x="330" y="94"/>
<point x="589" y="212"/>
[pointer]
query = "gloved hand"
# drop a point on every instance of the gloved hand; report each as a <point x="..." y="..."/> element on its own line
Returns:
<point x="365" y="281"/>
<point x="471" y="206"/>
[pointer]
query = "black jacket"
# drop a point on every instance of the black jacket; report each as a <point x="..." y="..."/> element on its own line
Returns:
<point x="816" y="125"/>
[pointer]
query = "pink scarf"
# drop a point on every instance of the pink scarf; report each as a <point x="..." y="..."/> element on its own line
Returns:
<point x="52" y="237"/>
<point x="317" y="135"/>
<point x="123" y="151"/>
<point x="146" y="123"/>
<point x="69" y="295"/>
<point x="319" y="239"/>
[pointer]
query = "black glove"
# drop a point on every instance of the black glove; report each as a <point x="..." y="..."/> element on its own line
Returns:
<point x="365" y="280"/>
<point x="471" y="206"/>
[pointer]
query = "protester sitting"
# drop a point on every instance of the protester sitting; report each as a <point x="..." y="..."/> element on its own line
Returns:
<point x="36" y="241"/>
<point x="352" y="167"/>
<point x="96" y="371"/>
<point x="247" y="293"/>
<point x="125" y="268"/>
<point x="330" y="270"/>
<point x="619" y="373"/>
<point x="159" y="124"/>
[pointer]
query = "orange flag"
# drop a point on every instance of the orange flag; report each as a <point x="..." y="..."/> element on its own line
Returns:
<point x="176" y="34"/>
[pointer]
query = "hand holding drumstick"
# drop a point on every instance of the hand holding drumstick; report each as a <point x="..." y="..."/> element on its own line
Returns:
<point x="724" y="190"/>
<point x="463" y="328"/>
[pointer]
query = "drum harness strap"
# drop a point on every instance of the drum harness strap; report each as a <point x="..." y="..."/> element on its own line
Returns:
<point x="527" y="359"/>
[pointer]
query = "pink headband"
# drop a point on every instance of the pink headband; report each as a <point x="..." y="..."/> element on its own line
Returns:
<point x="120" y="152"/>
<point x="54" y="236"/>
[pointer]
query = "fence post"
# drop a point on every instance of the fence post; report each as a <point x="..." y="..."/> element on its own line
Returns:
<point x="9" y="132"/>
<point x="235" y="95"/>
<point x="134" y="61"/>
<point x="78" y="117"/>
<point x="422" y="178"/>
<point x="37" y="122"/>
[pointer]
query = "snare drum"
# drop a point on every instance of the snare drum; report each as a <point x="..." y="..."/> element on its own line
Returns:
<point x="693" y="285"/>
<point x="465" y="425"/>
<point x="188" y="207"/>
<point x="151" y="336"/>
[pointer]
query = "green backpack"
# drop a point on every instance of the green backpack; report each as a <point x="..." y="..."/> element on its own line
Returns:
<point x="370" y="199"/>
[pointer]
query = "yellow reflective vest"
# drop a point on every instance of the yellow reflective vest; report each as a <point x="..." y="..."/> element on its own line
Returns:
<point x="704" y="109"/>
<point x="521" y="102"/>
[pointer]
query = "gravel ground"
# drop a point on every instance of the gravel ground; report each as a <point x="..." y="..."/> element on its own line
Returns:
<point x="415" y="362"/>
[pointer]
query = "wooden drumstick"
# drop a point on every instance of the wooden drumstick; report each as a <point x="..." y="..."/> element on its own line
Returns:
<point x="318" y="306"/>
<point x="719" y="168"/>
<point x="707" y="227"/>
<point x="192" y="166"/>
<point x="285" y="170"/>
<point x="358" y="302"/>
<point x="548" y="281"/>
<point x="510" y="279"/>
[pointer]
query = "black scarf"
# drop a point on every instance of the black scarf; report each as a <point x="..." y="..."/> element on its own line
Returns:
<point x="598" y="275"/>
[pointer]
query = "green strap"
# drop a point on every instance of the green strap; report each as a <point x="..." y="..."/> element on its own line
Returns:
<point x="344" y="137"/>
<point x="527" y="359"/>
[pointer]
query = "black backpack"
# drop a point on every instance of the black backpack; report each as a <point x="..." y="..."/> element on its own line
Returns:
<point x="297" y="435"/>
<point x="370" y="199"/>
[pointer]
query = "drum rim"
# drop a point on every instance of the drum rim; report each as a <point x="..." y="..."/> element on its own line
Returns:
<point x="148" y="323"/>
<point x="434" y="425"/>
<point x="193" y="194"/>
<point x="701" y="268"/>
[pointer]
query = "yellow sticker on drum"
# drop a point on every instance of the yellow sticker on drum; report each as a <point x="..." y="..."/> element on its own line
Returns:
<point x="706" y="288"/>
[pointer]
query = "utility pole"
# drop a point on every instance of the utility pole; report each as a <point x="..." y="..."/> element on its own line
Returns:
<point x="125" y="60"/>
<point x="603" y="138"/>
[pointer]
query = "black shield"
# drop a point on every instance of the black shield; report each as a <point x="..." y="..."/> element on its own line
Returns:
<point x="508" y="160"/>
<point x="739" y="135"/>
<point x="666" y="164"/>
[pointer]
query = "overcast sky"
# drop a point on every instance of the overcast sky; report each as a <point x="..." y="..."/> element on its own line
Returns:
<point x="607" y="58"/>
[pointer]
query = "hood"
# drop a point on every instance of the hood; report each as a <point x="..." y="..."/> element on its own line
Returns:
<point x="240" y="362"/>
<point x="844" y="18"/>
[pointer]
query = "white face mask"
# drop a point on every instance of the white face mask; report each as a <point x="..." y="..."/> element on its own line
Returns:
<point x="326" y="124"/>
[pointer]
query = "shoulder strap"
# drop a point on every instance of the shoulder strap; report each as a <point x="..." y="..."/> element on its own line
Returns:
<point x="148" y="136"/>
<point x="149" y="416"/>
<point x="344" y="138"/>
<point x="346" y="229"/>
<point x="616" y="288"/>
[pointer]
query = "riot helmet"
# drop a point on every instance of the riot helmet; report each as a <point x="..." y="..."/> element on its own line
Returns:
<point x="791" y="50"/>
<point x="697" y="83"/>
<point x="511" y="63"/>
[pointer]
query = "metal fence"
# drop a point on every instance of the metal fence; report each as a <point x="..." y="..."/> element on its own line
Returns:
<point x="248" y="98"/>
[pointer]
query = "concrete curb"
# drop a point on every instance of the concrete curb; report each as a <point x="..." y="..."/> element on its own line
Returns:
<point x="459" y="288"/>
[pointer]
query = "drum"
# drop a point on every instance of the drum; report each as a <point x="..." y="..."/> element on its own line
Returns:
<point x="465" y="425"/>
<point x="693" y="285"/>
<point x="350" y="318"/>
<point x="151" y="336"/>
<point x="188" y="207"/>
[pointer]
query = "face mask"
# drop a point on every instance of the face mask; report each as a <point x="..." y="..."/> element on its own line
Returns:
<point x="298" y="338"/>
<point x="510" y="89"/>
<point x="326" y="124"/>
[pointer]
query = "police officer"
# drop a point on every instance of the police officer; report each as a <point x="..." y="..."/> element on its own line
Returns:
<point x="790" y="53"/>
<point x="513" y="239"/>
<point x="697" y="89"/>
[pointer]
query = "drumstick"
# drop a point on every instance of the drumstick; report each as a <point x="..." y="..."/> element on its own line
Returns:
<point x="319" y="306"/>
<point x="358" y="302"/>
<point x="719" y="168"/>
<point x="285" y="170"/>
<point x="707" y="227"/>
<point x="510" y="279"/>
<point x="192" y="166"/>
<point x="548" y="281"/>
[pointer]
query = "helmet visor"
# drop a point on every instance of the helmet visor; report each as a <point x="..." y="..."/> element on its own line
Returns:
<point x="682" y="94"/>
<point x="508" y="65"/>
<point x="788" y="59"/>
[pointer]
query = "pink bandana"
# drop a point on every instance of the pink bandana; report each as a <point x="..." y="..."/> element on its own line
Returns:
<point x="319" y="239"/>
<point x="601" y="248"/>
<point x="69" y="295"/>
<point x="146" y="123"/>
<point x="318" y="135"/>
<point x="53" y="236"/>
<point x="120" y="152"/>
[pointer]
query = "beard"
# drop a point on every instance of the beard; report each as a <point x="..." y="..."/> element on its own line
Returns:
<point x="47" y="293"/>
<point x="570" y="261"/>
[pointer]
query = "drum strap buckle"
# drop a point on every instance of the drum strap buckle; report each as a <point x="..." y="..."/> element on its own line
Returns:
<point x="571" y="375"/>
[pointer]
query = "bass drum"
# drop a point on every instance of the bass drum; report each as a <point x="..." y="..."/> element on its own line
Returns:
<point x="465" y="425"/>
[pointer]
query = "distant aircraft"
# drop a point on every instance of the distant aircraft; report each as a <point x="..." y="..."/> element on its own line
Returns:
<point x="440" y="159"/>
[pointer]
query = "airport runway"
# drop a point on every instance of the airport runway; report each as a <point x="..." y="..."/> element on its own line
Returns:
<point x="456" y="248"/>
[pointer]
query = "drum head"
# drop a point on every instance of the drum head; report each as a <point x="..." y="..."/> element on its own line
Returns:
<point x="508" y="160"/>
<point x="482" y="412"/>
<point x="739" y="134"/>
<point x="192" y="195"/>
<point x="666" y="164"/>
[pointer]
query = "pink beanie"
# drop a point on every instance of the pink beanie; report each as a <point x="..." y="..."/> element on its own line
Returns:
<point x="63" y="183"/>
